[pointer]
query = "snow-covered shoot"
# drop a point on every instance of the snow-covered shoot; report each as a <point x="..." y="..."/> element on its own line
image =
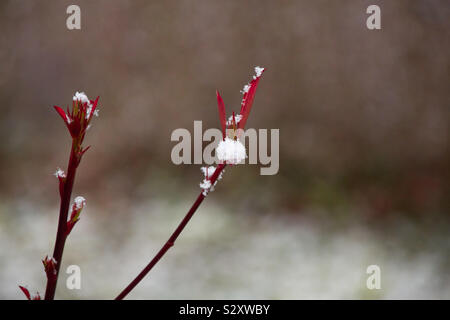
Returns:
<point x="83" y="98"/>
<point x="206" y="185"/>
<point x="79" y="202"/>
<point x="231" y="151"/>
<point x="78" y="119"/>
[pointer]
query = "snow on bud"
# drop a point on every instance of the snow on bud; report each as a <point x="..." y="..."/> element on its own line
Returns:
<point x="231" y="151"/>
<point x="60" y="173"/>
<point x="77" y="119"/>
<point x="237" y="118"/>
<point x="208" y="171"/>
<point x="82" y="97"/>
<point x="79" y="203"/>
<point x="49" y="266"/>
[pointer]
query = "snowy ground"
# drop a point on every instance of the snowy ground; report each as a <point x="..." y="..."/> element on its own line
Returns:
<point x="223" y="255"/>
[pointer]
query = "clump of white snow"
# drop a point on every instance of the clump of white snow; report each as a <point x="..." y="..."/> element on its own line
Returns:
<point x="60" y="173"/>
<point x="79" y="202"/>
<point x="231" y="151"/>
<point x="259" y="71"/>
<point x="205" y="185"/>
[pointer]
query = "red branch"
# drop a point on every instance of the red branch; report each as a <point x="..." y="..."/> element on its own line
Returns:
<point x="61" y="234"/>
<point x="172" y="238"/>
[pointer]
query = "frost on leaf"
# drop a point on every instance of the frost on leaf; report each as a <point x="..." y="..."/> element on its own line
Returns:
<point x="78" y="118"/>
<point x="237" y="118"/>
<point x="259" y="71"/>
<point x="248" y="97"/>
<point x="245" y="89"/>
<point x="208" y="171"/>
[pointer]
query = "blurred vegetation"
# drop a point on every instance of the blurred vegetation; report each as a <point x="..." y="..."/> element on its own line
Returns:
<point x="364" y="146"/>
<point x="363" y="115"/>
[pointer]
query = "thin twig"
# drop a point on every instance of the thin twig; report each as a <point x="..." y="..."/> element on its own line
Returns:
<point x="61" y="234"/>
<point x="172" y="238"/>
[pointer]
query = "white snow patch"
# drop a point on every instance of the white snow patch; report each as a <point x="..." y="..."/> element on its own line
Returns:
<point x="205" y="185"/>
<point x="60" y="173"/>
<point x="231" y="151"/>
<point x="81" y="96"/>
<point x="79" y="202"/>
<point x="208" y="171"/>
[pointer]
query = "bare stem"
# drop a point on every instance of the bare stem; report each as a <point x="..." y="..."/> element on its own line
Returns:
<point x="172" y="238"/>
<point x="61" y="234"/>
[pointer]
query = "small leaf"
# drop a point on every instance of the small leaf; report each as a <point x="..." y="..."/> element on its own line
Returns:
<point x="26" y="292"/>
<point x="247" y="100"/>
<point x="222" y="115"/>
<point x="61" y="113"/>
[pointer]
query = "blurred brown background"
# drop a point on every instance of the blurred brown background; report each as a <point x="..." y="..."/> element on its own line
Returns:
<point x="363" y="118"/>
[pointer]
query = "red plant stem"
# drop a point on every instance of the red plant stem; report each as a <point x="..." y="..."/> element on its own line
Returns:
<point x="61" y="234"/>
<point x="172" y="238"/>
